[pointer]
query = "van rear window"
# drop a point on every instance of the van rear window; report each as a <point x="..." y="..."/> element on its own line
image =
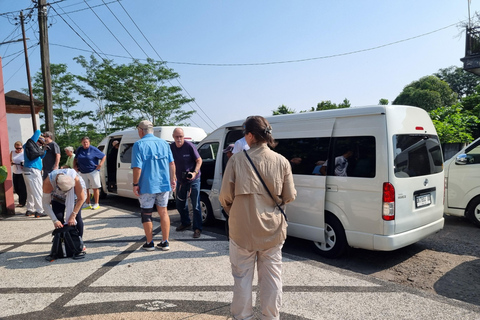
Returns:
<point x="417" y="155"/>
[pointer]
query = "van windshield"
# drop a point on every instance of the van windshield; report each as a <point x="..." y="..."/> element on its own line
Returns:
<point x="417" y="155"/>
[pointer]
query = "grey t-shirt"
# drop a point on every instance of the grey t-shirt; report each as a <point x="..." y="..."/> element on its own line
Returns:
<point x="50" y="157"/>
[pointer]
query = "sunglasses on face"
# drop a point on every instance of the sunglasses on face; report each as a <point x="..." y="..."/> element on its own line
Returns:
<point x="18" y="148"/>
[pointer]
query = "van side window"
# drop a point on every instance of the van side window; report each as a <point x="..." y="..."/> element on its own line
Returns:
<point x="306" y="155"/>
<point x="417" y="155"/>
<point x="126" y="153"/>
<point x="352" y="157"/>
<point x="208" y="151"/>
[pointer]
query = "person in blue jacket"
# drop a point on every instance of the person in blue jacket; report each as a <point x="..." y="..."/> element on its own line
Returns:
<point x="32" y="174"/>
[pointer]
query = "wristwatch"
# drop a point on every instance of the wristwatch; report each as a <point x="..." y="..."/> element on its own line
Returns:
<point x="135" y="184"/>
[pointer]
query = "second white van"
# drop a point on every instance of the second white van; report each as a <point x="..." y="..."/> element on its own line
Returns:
<point x="462" y="183"/>
<point x="389" y="196"/>
<point x="116" y="174"/>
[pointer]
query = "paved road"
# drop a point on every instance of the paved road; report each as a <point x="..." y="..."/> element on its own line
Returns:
<point x="119" y="280"/>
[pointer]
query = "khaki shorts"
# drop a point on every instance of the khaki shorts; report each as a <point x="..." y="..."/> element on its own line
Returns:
<point x="92" y="179"/>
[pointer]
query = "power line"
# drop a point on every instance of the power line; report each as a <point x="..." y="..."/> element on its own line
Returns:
<point x="108" y="29"/>
<point x="275" y="62"/>
<point x="78" y="34"/>
<point x="138" y="28"/>
<point x="309" y="59"/>
<point x="119" y="21"/>
<point x="82" y="32"/>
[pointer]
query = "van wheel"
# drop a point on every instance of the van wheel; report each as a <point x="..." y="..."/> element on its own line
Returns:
<point x="336" y="241"/>
<point x="206" y="209"/>
<point x="473" y="211"/>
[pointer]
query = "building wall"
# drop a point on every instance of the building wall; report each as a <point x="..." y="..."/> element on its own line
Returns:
<point x="20" y="127"/>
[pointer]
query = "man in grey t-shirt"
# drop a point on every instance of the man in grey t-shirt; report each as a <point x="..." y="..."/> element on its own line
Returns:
<point x="52" y="157"/>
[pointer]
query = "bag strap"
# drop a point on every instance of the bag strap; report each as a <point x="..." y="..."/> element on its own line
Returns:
<point x="263" y="182"/>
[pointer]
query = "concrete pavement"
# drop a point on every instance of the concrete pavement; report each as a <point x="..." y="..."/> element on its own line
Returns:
<point x="119" y="280"/>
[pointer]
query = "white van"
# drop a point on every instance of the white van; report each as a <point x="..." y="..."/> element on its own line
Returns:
<point x="391" y="196"/>
<point x="462" y="183"/>
<point x="116" y="175"/>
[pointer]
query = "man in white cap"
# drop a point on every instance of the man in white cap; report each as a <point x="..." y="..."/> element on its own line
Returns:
<point x="153" y="179"/>
<point x="64" y="192"/>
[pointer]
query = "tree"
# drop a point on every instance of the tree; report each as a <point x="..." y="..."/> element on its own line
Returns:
<point x="70" y="124"/>
<point x="383" y="102"/>
<point x="463" y="83"/>
<point x="145" y="95"/>
<point x="127" y="93"/>
<point x="454" y="125"/>
<point x="102" y="87"/>
<point x="328" y="105"/>
<point x="428" y="93"/>
<point x="283" y="109"/>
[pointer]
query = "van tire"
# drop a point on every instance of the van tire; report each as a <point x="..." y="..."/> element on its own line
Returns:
<point x="336" y="244"/>
<point x="206" y="210"/>
<point x="473" y="211"/>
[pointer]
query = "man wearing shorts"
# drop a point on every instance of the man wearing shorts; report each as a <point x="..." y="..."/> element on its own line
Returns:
<point x="88" y="161"/>
<point x="153" y="179"/>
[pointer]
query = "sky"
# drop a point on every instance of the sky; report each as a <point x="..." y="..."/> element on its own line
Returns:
<point x="242" y="58"/>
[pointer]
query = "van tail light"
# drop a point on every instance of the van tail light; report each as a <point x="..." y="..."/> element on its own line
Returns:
<point x="388" y="213"/>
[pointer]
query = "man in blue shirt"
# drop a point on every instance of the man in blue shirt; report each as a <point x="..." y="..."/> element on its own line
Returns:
<point x="88" y="161"/>
<point x="153" y="179"/>
<point x="32" y="174"/>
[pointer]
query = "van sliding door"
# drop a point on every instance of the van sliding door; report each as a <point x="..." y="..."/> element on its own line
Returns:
<point x="306" y="144"/>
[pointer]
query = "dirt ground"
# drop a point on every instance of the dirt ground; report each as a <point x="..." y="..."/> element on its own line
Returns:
<point x="446" y="263"/>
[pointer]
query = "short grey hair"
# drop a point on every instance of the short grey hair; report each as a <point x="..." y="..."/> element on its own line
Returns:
<point x="69" y="149"/>
<point x="48" y="134"/>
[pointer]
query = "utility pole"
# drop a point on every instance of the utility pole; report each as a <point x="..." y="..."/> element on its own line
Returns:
<point x="32" y="105"/>
<point x="45" y="59"/>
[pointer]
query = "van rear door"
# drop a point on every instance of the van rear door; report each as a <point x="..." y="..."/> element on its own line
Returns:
<point x="418" y="180"/>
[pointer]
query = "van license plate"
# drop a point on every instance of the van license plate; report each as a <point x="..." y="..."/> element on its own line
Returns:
<point x="423" y="200"/>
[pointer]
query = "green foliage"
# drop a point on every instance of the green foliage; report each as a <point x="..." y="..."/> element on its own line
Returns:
<point x="383" y="102"/>
<point x="454" y="125"/>
<point x="127" y="93"/>
<point x="463" y="83"/>
<point x="328" y="105"/>
<point x="3" y="174"/>
<point x="428" y="93"/>
<point x="283" y="109"/>
<point x="70" y="124"/>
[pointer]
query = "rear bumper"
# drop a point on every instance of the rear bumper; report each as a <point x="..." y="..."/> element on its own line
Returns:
<point x="393" y="242"/>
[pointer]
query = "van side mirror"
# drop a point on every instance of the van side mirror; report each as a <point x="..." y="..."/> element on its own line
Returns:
<point x="462" y="159"/>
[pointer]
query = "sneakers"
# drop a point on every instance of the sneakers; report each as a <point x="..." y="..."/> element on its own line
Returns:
<point x="164" y="245"/>
<point x="40" y="214"/>
<point x="148" y="246"/>
<point x="183" y="227"/>
<point x="197" y="233"/>
<point x="96" y="206"/>
<point x="86" y="206"/>
<point x="29" y="213"/>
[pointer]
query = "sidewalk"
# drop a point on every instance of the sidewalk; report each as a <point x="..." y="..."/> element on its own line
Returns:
<point x="119" y="280"/>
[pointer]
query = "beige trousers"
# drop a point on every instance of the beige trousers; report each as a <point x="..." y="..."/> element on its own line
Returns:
<point x="269" y="269"/>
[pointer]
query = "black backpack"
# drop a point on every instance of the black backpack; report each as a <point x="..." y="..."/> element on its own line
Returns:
<point x="66" y="243"/>
<point x="33" y="150"/>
